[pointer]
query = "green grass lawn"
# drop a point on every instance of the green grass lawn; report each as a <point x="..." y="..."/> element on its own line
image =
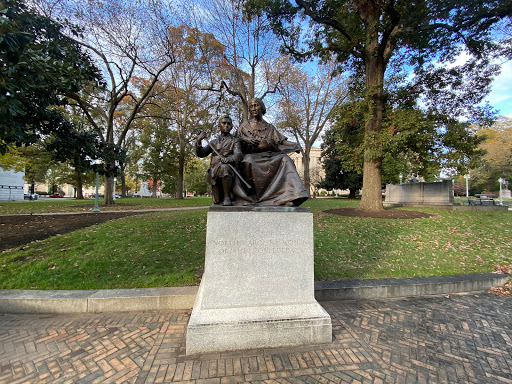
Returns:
<point x="167" y="248"/>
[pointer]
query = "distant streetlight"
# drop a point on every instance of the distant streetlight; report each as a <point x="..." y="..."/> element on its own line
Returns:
<point x="114" y="188"/>
<point x="96" y="208"/>
<point x="467" y="185"/>
<point x="501" y="181"/>
<point x="401" y="177"/>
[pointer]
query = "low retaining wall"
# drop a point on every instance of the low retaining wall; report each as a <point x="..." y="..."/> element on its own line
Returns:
<point x="431" y="194"/>
<point x="482" y="208"/>
<point x="414" y="286"/>
<point x="96" y="301"/>
<point x="160" y="299"/>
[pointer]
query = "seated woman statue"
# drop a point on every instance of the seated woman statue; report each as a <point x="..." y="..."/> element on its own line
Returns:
<point x="266" y="165"/>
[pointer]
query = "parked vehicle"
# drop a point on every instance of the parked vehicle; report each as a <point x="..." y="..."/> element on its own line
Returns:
<point x="58" y="195"/>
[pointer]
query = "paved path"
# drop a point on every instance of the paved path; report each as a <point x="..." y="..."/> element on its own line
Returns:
<point x="455" y="339"/>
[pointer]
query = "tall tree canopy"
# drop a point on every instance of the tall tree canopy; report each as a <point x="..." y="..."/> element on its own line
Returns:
<point x="127" y="39"/>
<point x="38" y="66"/>
<point x="247" y="69"/>
<point x="371" y="36"/>
<point x="306" y="104"/>
<point x="178" y="100"/>
<point x="414" y="142"/>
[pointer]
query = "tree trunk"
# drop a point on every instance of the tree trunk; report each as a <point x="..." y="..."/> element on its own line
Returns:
<point x="109" y="181"/>
<point x="123" y="185"/>
<point x="109" y="188"/>
<point x="181" y="167"/>
<point x="179" y="192"/>
<point x="245" y="111"/>
<point x="155" y="187"/>
<point x="79" y="185"/>
<point x="305" y="163"/>
<point x="352" y="193"/>
<point x="123" y="181"/>
<point x="371" y="199"/>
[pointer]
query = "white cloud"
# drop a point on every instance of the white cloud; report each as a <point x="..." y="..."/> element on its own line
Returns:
<point x="501" y="94"/>
<point x="461" y="60"/>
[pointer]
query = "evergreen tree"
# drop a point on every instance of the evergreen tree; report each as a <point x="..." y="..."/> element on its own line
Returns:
<point x="337" y="176"/>
<point x="39" y="65"/>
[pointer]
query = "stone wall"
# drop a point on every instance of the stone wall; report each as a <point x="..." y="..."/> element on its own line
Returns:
<point x="11" y="185"/>
<point x="437" y="193"/>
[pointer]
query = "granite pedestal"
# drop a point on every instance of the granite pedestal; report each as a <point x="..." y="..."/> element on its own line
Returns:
<point x="257" y="289"/>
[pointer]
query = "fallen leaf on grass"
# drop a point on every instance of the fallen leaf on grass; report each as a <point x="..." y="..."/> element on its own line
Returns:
<point x="503" y="269"/>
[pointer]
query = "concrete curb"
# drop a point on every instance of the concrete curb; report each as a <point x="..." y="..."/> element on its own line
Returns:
<point x="413" y="286"/>
<point x="95" y="301"/>
<point x="153" y="299"/>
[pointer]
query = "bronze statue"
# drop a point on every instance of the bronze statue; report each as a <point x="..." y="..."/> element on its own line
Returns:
<point x="252" y="167"/>
<point x="226" y="153"/>
<point x="266" y="165"/>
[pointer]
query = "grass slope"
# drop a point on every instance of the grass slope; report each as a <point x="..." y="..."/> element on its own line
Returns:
<point x="167" y="249"/>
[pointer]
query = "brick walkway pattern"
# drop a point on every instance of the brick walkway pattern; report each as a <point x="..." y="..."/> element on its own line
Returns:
<point x="455" y="339"/>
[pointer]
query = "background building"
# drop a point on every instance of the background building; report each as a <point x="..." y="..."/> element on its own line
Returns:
<point x="316" y="168"/>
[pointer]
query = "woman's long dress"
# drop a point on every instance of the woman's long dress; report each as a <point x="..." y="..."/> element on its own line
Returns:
<point x="272" y="174"/>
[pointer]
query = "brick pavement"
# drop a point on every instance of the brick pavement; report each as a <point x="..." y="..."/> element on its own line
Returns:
<point x="455" y="339"/>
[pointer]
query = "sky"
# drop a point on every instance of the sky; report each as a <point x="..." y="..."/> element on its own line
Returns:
<point x="501" y="94"/>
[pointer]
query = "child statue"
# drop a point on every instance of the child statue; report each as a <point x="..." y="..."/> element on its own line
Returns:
<point x="226" y="153"/>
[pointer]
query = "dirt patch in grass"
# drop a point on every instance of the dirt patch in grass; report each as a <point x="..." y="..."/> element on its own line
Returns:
<point x="17" y="230"/>
<point x="385" y="214"/>
<point x="118" y="206"/>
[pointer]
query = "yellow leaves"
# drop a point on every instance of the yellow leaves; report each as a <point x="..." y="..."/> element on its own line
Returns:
<point x="13" y="160"/>
<point x="498" y="146"/>
<point x="503" y="290"/>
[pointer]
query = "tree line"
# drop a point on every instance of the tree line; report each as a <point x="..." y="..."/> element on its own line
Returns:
<point x="129" y="82"/>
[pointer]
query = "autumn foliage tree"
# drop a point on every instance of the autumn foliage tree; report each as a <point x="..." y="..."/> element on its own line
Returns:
<point x="125" y="39"/>
<point x="337" y="174"/>
<point x="179" y="100"/>
<point x="497" y="161"/>
<point x="414" y="142"/>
